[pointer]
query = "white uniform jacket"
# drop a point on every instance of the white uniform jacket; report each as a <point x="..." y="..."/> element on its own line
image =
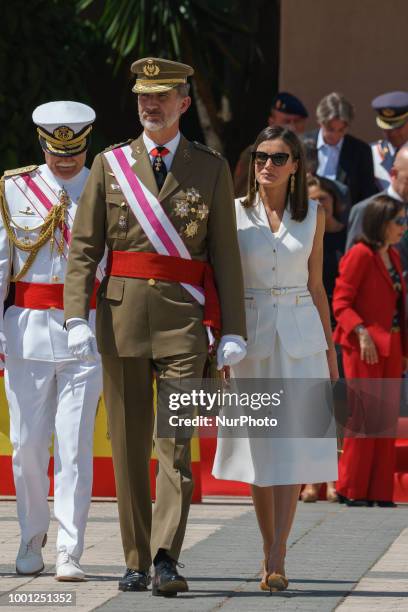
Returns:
<point x="275" y="268"/>
<point x="37" y="334"/>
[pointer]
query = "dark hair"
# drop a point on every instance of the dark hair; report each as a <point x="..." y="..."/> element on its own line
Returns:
<point x="378" y="213"/>
<point x="329" y="187"/>
<point x="298" y="200"/>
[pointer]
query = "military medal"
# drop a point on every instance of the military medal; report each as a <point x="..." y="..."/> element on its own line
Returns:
<point x="202" y="211"/>
<point x="122" y="223"/>
<point x="182" y="208"/>
<point x="191" y="229"/>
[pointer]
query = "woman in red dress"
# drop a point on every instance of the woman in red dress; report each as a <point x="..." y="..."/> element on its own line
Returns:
<point x="369" y="306"/>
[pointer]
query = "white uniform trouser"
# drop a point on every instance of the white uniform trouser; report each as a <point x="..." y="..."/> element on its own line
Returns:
<point x="45" y="398"/>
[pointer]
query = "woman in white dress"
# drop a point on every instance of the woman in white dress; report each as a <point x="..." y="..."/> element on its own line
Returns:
<point x="280" y="236"/>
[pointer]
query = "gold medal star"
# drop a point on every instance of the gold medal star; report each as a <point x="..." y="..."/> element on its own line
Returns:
<point x="191" y="229"/>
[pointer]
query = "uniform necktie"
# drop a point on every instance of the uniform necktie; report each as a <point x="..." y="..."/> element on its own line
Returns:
<point x="159" y="167"/>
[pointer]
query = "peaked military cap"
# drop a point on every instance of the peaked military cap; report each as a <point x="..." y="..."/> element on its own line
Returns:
<point x="289" y="104"/>
<point x="155" y="75"/>
<point x="391" y="109"/>
<point x="64" y="127"/>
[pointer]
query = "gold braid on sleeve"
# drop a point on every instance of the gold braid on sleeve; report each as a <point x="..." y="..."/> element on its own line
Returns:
<point x="55" y="219"/>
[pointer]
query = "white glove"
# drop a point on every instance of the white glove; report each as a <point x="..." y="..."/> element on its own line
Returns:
<point x="3" y="349"/>
<point x="81" y="340"/>
<point x="231" y="350"/>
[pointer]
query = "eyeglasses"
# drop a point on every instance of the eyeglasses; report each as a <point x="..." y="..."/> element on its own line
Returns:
<point x="278" y="159"/>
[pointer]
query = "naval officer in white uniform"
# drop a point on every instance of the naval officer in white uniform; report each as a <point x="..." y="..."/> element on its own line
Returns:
<point x="48" y="391"/>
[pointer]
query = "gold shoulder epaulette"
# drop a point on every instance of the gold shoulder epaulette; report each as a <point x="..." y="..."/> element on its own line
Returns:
<point x="23" y="170"/>
<point x="202" y="147"/>
<point x="120" y="144"/>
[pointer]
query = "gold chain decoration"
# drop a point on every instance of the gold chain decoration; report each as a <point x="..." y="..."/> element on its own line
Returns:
<point x="55" y="219"/>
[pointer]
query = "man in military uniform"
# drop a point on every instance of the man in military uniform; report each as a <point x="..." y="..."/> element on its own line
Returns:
<point x="48" y="391"/>
<point x="286" y="110"/>
<point x="164" y="208"/>
<point x="392" y="118"/>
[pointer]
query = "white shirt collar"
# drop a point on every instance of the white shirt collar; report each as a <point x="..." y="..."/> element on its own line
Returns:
<point x="393" y="194"/>
<point x="171" y="145"/>
<point x="321" y="143"/>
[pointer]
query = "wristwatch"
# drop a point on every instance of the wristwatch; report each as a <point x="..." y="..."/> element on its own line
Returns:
<point x="359" y="329"/>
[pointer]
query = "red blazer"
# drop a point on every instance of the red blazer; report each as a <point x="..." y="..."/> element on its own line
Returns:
<point x="364" y="295"/>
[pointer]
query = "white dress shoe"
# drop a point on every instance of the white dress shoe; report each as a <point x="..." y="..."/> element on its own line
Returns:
<point x="68" y="568"/>
<point x="29" y="558"/>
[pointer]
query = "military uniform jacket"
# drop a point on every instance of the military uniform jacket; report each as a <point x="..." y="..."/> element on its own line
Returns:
<point x="36" y="334"/>
<point x="148" y="318"/>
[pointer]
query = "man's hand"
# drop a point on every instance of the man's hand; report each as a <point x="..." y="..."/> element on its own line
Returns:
<point x="230" y="351"/>
<point x="81" y="340"/>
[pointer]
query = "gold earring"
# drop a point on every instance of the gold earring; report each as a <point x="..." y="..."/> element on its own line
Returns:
<point x="292" y="183"/>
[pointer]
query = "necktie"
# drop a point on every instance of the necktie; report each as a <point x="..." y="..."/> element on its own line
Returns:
<point x="159" y="167"/>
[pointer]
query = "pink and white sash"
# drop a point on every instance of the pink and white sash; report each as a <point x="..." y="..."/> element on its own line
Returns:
<point x="149" y="212"/>
<point x="43" y="197"/>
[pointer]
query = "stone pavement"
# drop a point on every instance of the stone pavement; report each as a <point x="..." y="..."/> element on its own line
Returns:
<point x="346" y="559"/>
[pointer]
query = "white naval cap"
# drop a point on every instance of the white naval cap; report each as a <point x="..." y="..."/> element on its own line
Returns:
<point x="64" y="127"/>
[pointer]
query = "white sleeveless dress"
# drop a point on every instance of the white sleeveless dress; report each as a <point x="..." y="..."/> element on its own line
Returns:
<point x="285" y="340"/>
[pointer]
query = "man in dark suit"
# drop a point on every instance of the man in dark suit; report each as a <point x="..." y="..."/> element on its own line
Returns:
<point x="397" y="189"/>
<point x="342" y="157"/>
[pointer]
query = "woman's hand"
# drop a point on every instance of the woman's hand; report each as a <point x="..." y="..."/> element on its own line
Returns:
<point x="404" y="364"/>
<point x="368" y="351"/>
<point x="332" y="363"/>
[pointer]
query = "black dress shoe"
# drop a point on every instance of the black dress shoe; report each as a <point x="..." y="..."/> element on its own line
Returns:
<point x="167" y="582"/>
<point x="133" y="580"/>
<point x="358" y="503"/>
<point x="341" y="498"/>
<point x="386" y="504"/>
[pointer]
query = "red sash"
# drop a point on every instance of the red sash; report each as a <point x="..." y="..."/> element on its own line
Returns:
<point x="42" y="296"/>
<point x="174" y="269"/>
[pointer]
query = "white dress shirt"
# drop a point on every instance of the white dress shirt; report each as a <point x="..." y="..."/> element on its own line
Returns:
<point x="393" y="194"/>
<point x="328" y="156"/>
<point x="171" y="146"/>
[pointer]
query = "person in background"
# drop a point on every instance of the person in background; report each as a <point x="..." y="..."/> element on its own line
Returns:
<point x="341" y="190"/>
<point x="341" y="156"/>
<point x="392" y="119"/>
<point x="286" y="110"/>
<point x="397" y="189"/>
<point x="324" y="191"/>
<point x="369" y="307"/>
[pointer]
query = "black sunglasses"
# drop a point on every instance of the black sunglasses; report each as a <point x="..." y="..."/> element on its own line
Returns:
<point x="400" y="221"/>
<point x="278" y="159"/>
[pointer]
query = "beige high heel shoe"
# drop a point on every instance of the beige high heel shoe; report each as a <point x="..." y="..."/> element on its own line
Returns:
<point x="273" y="582"/>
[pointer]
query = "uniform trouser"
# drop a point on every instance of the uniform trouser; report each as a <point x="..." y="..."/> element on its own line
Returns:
<point x="45" y="398"/>
<point x="128" y="393"/>
<point x="366" y="468"/>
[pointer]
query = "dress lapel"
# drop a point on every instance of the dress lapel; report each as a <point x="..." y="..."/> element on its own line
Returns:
<point x="142" y="166"/>
<point x="180" y="168"/>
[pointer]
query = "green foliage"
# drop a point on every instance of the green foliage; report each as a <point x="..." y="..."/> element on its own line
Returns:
<point x="44" y="51"/>
<point x="170" y="28"/>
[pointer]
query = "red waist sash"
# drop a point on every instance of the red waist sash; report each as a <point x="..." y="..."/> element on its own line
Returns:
<point x="41" y="296"/>
<point x="173" y="269"/>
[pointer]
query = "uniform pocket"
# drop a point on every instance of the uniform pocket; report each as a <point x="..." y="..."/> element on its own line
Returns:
<point x="114" y="289"/>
